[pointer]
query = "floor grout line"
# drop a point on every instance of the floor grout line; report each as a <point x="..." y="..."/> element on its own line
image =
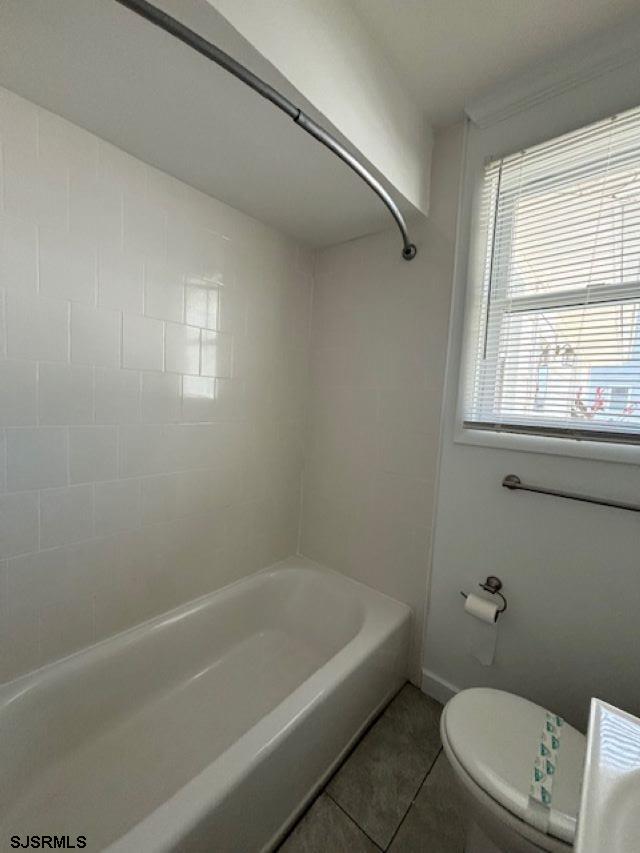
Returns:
<point x="417" y="794"/>
<point x="324" y="789"/>
<point x="353" y="820"/>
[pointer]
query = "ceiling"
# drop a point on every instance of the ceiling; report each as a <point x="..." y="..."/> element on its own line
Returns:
<point x="448" y="52"/>
<point x="107" y="70"/>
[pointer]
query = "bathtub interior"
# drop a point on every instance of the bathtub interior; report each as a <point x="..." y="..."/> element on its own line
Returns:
<point x="133" y="719"/>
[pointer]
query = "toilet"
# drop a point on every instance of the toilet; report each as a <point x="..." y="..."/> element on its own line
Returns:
<point x="492" y="739"/>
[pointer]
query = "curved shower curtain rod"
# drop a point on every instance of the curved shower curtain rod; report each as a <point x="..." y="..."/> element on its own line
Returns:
<point x="189" y="37"/>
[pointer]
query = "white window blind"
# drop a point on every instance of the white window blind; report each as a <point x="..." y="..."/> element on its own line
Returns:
<point x="556" y="345"/>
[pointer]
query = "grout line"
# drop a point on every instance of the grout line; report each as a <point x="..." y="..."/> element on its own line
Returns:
<point x="415" y="797"/>
<point x="353" y="820"/>
<point x="39" y="514"/>
<point x="323" y="790"/>
<point x="2" y="177"/>
<point x="93" y="511"/>
<point x="305" y="412"/>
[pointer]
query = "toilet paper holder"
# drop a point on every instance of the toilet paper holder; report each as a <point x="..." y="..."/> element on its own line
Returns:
<point x="492" y="585"/>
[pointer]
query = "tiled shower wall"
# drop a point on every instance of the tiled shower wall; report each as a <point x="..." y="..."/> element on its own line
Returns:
<point x="153" y="358"/>
<point x="379" y="337"/>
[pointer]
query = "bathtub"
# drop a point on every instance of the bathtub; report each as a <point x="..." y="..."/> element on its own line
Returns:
<point x="207" y="728"/>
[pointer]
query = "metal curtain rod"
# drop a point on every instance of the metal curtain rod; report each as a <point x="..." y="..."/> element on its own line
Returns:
<point x="514" y="483"/>
<point x="215" y="54"/>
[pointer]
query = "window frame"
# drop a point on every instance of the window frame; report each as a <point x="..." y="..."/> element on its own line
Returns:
<point x="521" y="129"/>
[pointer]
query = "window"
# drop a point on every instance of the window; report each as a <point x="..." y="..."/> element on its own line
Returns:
<point x="555" y="347"/>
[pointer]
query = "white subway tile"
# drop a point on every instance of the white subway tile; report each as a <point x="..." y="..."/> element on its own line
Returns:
<point x="163" y="291"/>
<point x="120" y="281"/>
<point x="95" y="336"/>
<point x="65" y="627"/>
<point x="18" y="384"/>
<point x="201" y="305"/>
<point x="205" y="255"/>
<point x="20" y="640"/>
<point x="121" y="169"/>
<point x="410" y="408"/>
<point x="158" y="498"/>
<point x="3" y="461"/>
<point x="164" y="191"/>
<point x="117" y="394"/>
<point x="90" y="565"/>
<point x="67" y="266"/>
<point x="147" y="449"/>
<point x="93" y="453"/>
<point x="142" y="343"/>
<point x="3" y="324"/>
<point x="37" y="328"/>
<point x="36" y="458"/>
<point x="216" y="354"/>
<point x="145" y="225"/>
<point x="66" y="515"/>
<point x="160" y="398"/>
<point x="199" y="403"/>
<point x="35" y="184"/>
<point x="297" y="299"/>
<point x="213" y="258"/>
<point x="182" y="348"/>
<point x="412" y="454"/>
<point x="95" y="209"/>
<point x="232" y="315"/>
<point x="18" y="523"/>
<point x="50" y="595"/>
<point x="64" y="143"/>
<point x="230" y="399"/>
<point x="194" y="491"/>
<point x="402" y="501"/>
<point x="18" y="254"/>
<point x="65" y="394"/>
<point x="130" y="240"/>
<point x="117" y="506"/>
<point x="18" y="119"/>
<point x="36" y="579"/>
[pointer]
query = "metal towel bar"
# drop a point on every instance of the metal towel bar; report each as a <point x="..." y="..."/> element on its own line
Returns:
<point x="514" y="483"/>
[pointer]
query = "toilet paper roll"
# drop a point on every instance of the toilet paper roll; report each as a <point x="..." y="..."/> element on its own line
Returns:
<point x="482" y="631"/>
<point x="481" y="608"/>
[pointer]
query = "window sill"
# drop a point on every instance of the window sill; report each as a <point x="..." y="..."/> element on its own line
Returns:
<point x="582" y="449"/>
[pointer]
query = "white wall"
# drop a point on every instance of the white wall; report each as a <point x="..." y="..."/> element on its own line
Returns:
<point x="323" y="49"/>
<point x="153" y="351"/>
<point x="570" y="573"/>
<point x="379" y="332"/>
<point x="570" y="570"/>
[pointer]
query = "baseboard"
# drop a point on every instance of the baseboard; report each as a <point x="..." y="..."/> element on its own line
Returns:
<point x="436" y="687"/>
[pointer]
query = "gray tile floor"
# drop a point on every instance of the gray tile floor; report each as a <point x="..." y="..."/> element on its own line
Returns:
<point x="394" y="792"/>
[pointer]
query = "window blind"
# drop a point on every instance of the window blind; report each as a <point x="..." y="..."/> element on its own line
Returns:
<point x="555" y="347"/>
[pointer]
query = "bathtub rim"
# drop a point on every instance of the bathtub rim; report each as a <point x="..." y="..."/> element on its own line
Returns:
<point x="384" y="618"/>
<point x="14" y="688"/>
<point x="154" y="830"/>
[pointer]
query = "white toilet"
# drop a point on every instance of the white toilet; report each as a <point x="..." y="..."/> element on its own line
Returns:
<point x="491" y="739"/>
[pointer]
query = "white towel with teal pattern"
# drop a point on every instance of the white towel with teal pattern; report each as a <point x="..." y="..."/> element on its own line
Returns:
<point x="544" y="770"/>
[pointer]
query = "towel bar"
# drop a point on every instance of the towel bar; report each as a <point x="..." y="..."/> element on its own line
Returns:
<point x="514" y="483"/>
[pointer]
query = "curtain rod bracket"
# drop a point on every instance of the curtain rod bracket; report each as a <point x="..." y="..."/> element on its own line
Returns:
<point x="215" y="54"/>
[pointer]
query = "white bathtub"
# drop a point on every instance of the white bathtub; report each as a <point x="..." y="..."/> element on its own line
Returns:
<point x="208" y="728"/>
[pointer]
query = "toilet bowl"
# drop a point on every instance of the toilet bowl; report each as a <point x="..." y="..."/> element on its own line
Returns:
<point x="492" y="739"/>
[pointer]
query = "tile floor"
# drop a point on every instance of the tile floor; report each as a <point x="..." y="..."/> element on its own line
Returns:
<point x="394" y="792"/>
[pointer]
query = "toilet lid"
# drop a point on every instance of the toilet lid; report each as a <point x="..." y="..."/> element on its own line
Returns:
<point x="496" y="737"/>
